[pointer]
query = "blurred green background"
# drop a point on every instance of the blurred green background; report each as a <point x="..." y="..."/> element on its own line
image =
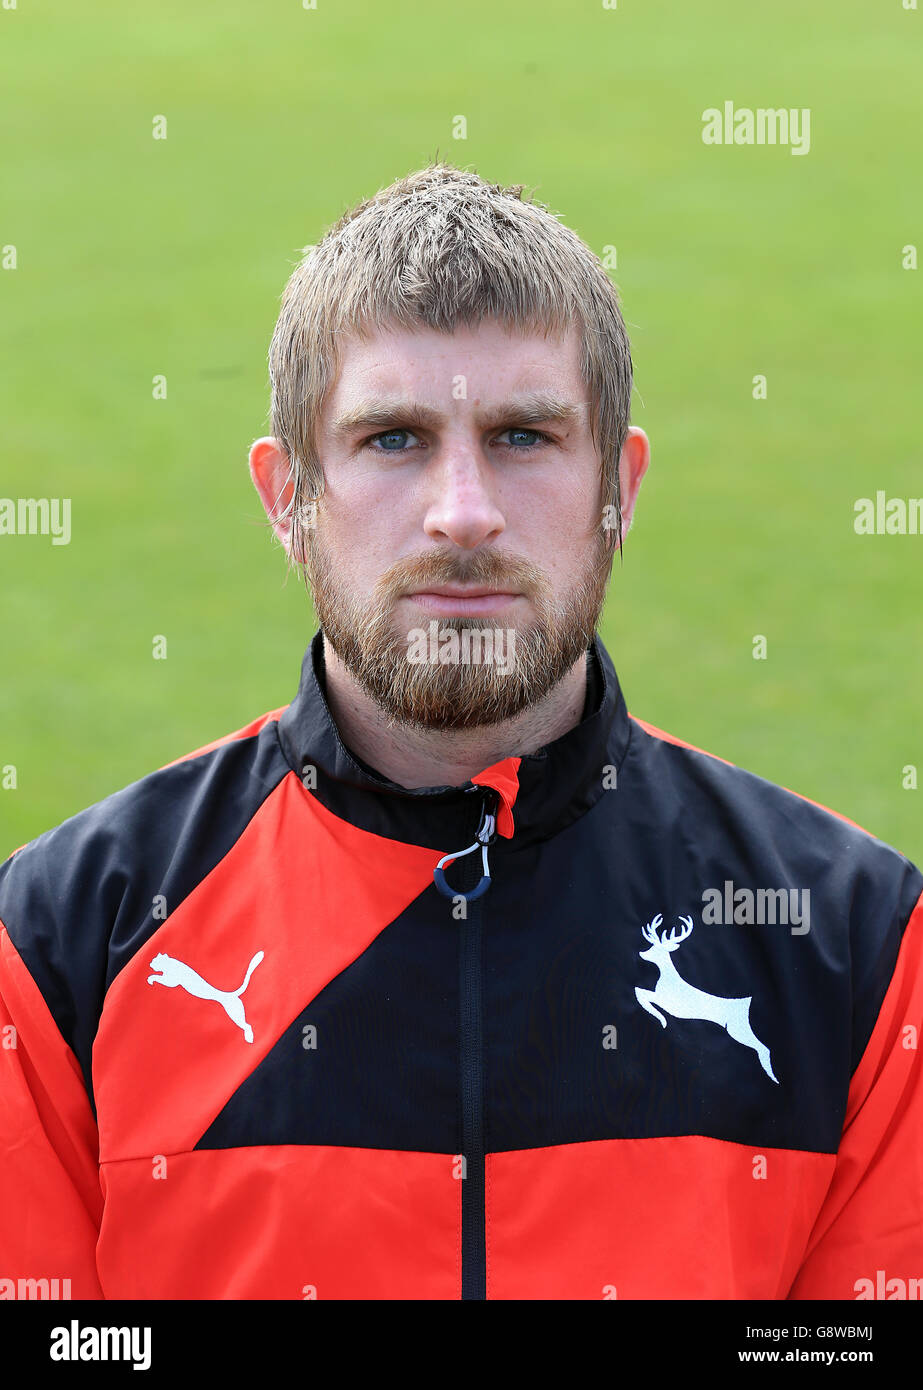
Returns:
<point x="138" y="257"/>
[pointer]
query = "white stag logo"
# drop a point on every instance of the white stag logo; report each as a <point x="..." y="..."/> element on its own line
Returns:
<point x="682" y="1000"/>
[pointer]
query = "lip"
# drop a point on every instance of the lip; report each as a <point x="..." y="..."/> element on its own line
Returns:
<point x="458" y="591"/>
<point x="445" y="598"/>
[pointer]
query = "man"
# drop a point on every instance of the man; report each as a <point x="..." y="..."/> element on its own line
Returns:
<point x="452" y="979"/>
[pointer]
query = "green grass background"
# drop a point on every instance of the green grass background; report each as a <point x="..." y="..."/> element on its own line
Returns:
<point x="138" y="257"/>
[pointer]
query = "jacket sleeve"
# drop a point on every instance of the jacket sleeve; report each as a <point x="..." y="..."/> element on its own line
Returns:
<point x="50" y="1197"/>
<point x="867" y="1241"/>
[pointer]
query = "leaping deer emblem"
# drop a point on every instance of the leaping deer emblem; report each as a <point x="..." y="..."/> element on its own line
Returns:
<point x="683" y="1000"/>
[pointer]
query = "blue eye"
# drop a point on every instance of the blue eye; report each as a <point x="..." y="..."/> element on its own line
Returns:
<point x="395" y="441"/>
<point x="536" y="435"/>
<point x="392" y="436"/>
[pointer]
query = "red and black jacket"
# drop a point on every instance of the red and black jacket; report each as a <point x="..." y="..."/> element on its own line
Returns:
<point x="451" y="1093"/>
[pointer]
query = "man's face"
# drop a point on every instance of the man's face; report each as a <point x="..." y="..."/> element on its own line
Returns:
<point x="462" y="460"/>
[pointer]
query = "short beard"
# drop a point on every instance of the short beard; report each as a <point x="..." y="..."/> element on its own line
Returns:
<point x="462" y="694"/>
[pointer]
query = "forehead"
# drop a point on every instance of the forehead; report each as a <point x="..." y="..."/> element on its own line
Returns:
<point x="483" y="361"/>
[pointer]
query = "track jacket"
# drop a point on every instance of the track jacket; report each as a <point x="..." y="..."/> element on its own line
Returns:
<point x="617" y="1019"/>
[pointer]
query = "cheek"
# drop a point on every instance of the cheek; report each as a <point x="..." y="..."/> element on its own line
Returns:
<point x="556" y="523"/>
<point x="562" y="496"/>
<point x="360" y="541"/>
<point x="373" y="519"/>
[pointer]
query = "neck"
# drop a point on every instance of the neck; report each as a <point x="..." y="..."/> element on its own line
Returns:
<point x="414" y="757"/>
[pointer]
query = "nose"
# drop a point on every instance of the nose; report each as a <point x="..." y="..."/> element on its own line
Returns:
<point x="461" y="498"/>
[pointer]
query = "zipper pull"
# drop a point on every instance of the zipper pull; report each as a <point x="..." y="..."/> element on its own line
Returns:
<point x="486" y="834"/>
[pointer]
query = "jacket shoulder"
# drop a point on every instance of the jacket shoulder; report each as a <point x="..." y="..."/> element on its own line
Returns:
<point x="81" y="898"/>
<point x="752" y="836"/>
<point x="777" y="805"/>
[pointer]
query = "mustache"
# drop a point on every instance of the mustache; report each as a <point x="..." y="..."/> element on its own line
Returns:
<point x="487" y="569"/>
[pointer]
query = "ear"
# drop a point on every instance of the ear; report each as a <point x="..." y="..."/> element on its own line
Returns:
<point x="271" y="473"/>
<point x="633" y="464"/>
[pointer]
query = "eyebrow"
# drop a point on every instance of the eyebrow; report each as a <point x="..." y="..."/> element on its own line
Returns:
<point x="536" y="408"/>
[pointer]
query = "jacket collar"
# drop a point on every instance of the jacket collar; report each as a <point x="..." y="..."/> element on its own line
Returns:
<point x="539" y="793"/>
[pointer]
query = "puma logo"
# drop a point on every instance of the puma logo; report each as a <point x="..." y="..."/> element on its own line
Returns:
<point x="175" y="972"/>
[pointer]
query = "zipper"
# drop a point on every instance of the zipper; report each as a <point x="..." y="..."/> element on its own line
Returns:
<point x="474" y="1210"/>
<point x="471" y="1052"/>
<point x="485" y="836"/>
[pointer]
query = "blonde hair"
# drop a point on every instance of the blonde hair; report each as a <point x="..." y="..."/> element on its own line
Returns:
<point x="440" y="248"/>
